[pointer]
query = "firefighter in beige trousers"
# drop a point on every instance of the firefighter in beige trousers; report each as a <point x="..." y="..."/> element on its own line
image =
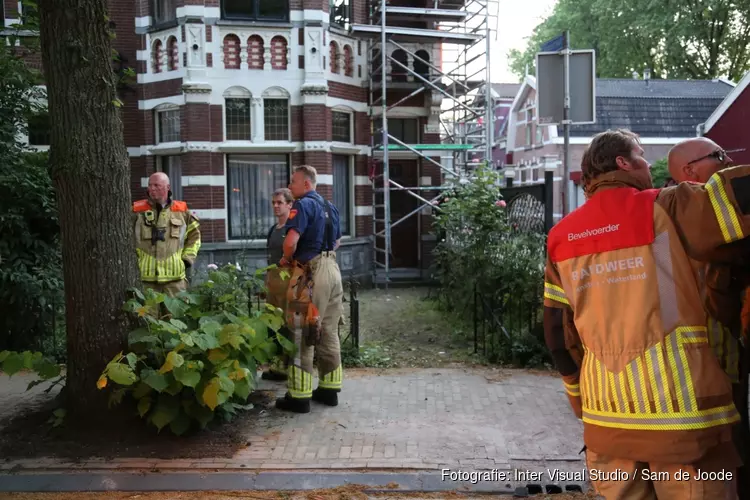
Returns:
<point x="315" y="295"/>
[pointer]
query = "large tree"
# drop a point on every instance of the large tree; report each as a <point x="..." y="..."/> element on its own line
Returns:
<point x="673" y="38"/>
<point x="90" y="170"/>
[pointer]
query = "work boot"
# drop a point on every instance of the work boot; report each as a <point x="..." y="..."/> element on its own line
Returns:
<point x="328" y="397"/>
<point x="288" y="403"/>
<point x="272" y="375"/>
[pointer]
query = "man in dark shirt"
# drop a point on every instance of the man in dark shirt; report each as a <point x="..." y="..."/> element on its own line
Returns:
<point x="315" y="295"/>
<point x="276" y="285"/>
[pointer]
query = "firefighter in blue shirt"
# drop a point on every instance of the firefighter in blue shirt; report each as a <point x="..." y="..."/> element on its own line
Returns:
<point x="315" y="295"/>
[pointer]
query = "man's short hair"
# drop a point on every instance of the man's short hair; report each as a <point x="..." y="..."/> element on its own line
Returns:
<point x="285" y="193"/>
<point x="309" y="172"/>
<point x="601" y="154"/>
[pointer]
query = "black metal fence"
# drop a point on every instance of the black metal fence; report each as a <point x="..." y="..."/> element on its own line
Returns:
<point x="351" y="286"/>
<point x="43" y="332"/>
<point x="508" y="324"/>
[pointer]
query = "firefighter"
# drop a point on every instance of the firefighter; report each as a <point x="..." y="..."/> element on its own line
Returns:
<point x="315" y="295"/>
<point x="276" y="284"/>
<point x="696" y="160"/>
<point x="167" y="238"/>
<point x="652" y="395"/>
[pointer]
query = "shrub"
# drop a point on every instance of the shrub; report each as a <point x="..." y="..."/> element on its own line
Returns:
<point x="195" y="355"/>
<point x="485" y="264"/>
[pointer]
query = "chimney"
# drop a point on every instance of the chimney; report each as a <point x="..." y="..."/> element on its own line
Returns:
<point x="647" y="74"/>
<point x="636" y="76"/>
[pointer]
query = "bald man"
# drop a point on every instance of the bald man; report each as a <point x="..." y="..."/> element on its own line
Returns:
<point x="167" y="237"/>
<point x="696" y="160"/>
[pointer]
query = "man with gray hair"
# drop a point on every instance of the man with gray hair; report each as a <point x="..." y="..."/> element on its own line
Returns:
<point x="167" y="237"/>
<point x="315" y="297"/>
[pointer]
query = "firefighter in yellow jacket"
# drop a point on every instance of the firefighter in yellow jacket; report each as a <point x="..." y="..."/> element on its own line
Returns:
<point x="167" y="238"/>
<point x="651" y="393"/>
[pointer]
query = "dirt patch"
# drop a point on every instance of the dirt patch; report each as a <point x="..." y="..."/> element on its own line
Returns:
<point x="403" y="328"/>
<point x="28" y="435"/>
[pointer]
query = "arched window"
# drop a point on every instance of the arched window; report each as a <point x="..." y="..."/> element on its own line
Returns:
<point x="231" y="52"/>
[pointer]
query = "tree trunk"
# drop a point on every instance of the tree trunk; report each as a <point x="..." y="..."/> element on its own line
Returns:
<point x="90" y="168"/>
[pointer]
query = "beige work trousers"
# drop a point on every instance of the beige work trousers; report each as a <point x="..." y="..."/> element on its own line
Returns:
<point x="170" y="288"/>
<point x="328" y="296"/>
<point x="664" y="487"/>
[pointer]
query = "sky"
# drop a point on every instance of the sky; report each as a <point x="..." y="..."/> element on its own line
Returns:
<point x="516" y="23"/>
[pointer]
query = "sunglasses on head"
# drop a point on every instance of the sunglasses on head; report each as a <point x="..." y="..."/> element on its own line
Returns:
<point x="719" y="155"/>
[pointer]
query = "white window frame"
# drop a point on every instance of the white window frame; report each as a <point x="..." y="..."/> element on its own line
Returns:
<point x="157" y="122"/>
<point x="351" y="124"/>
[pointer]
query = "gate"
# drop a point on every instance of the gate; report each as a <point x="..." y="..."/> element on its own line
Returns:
<point x="512" y="317"/>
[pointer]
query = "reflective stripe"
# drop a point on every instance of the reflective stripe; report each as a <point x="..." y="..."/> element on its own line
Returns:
<point x="671" y="422"/>
<point x="332" y="380"/>
<point x="554" y="292"/>
<point x="299" y="383"/>
<point x="726" y="215"/>
<point x="653" y="391"/>
<point x="160" y="271"/>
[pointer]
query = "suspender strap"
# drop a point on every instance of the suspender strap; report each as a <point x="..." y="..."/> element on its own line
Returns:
<point x="329" y="224"/>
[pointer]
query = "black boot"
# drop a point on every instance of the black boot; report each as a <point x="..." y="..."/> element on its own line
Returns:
<point x="288" y="403"/>
<point x="275" y="376"/>
<point x="328" y="397"/>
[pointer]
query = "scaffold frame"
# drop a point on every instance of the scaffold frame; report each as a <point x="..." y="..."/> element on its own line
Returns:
<point x="463" y="26"/>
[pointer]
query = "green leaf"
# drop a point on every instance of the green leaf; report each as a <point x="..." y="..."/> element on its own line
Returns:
<point x="216" y="356"/>
<point x="176" y="306"/>
<point x="144" y="404"/>
<point x="154" y="379"/>
<point x="137" y="292"/>
<point x="286" y="344"/>
<point x="47" y="370"/>
<point x="132" y="359"/>
<point x="173" y="360"/>
<point x="232" y="338"/>
<point x="115" y="397"/>
<point x="186" y="376"/>
<point x="4" y="355"/>
<point x="226" y="384"/>
<point x="218" y="391"/>
<point x="121" y="374"/>
<point x="180" y="425"/>
<point x="142" y="336"/>
<point x="187" y="339"/>
<point x="175" y="387"/>
<point x="242" y="389"/>
<point x="211" y="327"/>
<point x="141" y="390"/>
<point x="206" y="341"/>
<point x="179" y="324"/>
<point x="200" y="413"/>
<point x="166" y="410"/>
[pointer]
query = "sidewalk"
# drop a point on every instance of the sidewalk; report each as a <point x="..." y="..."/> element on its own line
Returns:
<point x="421" y="420"/>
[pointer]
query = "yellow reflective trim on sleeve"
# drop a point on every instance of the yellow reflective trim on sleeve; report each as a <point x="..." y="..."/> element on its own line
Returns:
<point x="725" y="213"/>
<point x="556" y="293"/>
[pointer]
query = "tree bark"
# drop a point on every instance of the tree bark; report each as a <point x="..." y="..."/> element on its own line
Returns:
<point x="91" y="172"/>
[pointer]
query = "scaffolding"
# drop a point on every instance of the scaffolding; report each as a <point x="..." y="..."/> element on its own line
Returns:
<point x="462" y="30"/>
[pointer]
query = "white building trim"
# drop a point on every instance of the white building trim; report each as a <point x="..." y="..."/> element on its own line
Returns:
<point x="362" y="210"/>
<point x="211" y="213"/>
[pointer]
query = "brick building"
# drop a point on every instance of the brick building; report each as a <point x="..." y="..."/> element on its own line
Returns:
<point x="230" y="95"/>
<point x="661" y="112"/>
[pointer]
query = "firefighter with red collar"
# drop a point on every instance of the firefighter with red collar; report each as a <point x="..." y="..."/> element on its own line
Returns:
<point x="167" y="238"/>
<point x="651" y="393"/>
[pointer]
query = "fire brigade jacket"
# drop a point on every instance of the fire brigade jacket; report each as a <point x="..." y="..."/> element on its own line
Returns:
<point x="165" y="240"/>
<point x="649" y="387"/>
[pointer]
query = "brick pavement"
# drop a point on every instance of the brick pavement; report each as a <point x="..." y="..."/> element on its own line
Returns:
<point x="473" y="419"/>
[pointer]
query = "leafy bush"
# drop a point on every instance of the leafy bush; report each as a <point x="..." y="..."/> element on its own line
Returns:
<point x="31" y="285"/>
<point x="482" y="262"/>
<point x="195" y="356"/>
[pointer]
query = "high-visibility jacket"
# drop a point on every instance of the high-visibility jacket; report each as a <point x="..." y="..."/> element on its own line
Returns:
<point x="649" y="386"/>
<point x="165" y="240"/>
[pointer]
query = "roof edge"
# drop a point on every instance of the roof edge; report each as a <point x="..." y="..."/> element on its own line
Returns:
<point x="727" y="102"/>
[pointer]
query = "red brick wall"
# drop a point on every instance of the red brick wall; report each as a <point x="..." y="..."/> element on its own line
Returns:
<point x="348" y="92"/>
<point x="315" y="5"/>
<point x="203" y="197"/>
<point x="361" y="129"/>
<point x="278" y="52"/>
<point x="164" y="88"/>
<point x="316" y="120"/>
<point x="320" y="160"/>
<point x="362" y="196"/>
<point x="11" y="9"/>
<point x="359" y="11"/>
<point x="213" y="230"/>
<point x="127" y="43"/>
<point x="203" y="163"/>
<point x="255" y="58"/>
<point x="296" y="116"/>
<point x="231" y="48"/>
<point x="363" y="225"/>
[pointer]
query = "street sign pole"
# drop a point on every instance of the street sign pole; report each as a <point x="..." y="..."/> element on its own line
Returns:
<point x="566" y="124"/>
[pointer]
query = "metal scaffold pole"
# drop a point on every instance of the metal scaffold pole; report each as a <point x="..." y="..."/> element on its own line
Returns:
<point x="464" y="25"/>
